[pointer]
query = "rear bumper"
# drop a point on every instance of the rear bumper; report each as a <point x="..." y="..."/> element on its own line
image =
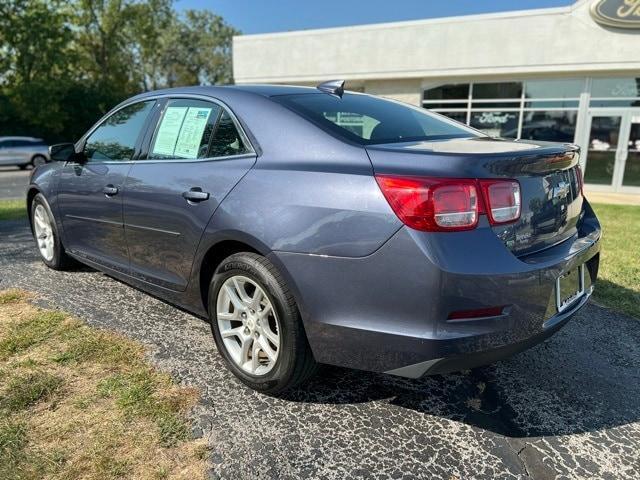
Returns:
<point x="387" y="312"/>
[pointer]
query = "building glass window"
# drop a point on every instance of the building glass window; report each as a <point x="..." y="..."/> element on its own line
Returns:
<point x="445" y="96"/>
<point x="496" y="123"/>
<point x="548" y="107"/>
<point x="497" y="90"/>
<point x="615" y="92"/>
<point x="555" y="88"/>
<point x="550" y="126"/>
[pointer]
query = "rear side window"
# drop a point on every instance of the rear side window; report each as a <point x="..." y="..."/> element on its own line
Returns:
<point x="184" y="130"/>
<point x="369" y="120"/>
<point x="227" y="140"/>
<point x="115" y="139"/>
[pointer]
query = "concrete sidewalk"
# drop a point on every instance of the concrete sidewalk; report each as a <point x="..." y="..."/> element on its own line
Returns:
<point x="612" y="198"/>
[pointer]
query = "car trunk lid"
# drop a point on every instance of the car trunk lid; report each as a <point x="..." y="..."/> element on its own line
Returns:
<point x="547" y="173"/>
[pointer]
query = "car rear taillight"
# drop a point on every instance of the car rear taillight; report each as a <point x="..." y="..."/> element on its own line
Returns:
<point x="450" y="204"/>
<point x="432" y="204"/>
<point x="502" y="199"/>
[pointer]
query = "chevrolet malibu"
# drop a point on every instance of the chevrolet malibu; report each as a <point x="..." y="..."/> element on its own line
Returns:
<point x="317" y="226"/>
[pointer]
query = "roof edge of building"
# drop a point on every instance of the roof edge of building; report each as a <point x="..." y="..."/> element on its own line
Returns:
<point x="409" y="23"/>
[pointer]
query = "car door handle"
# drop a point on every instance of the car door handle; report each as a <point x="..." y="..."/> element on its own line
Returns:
<point x="195" y="195"/>
<point x="110" y="190"/>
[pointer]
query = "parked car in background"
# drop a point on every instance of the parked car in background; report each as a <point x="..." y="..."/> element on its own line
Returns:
<point x="23" y="151"/>
<point x="322" y="226"/>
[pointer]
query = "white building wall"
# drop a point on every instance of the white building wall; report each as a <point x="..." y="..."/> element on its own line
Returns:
<point x="560" y="40"/>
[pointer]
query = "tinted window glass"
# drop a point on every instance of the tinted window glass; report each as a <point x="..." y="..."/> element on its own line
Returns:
<point x="448" y="92"/>
<point x="184" y="130"/>
<point x="497" y="90"/>
<point x="226" y="139"/>
<point x="116" y="138"/>
<point x="552" y="126"/>
<point x="457" y="116"/>
<point x="496" y="124"/>
<point x="370" y="120"/>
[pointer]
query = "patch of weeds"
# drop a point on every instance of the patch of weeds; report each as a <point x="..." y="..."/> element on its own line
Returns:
<point x="115" y="415"/>
<point x="23" y="390"/>
<point x="139" y="393"/>
<point x="13" y="438"/>
<point x="32" y="331"/>
<point x="11" y="296"/>
<point x="111" y="467"/>
<point x="82" y="345"/>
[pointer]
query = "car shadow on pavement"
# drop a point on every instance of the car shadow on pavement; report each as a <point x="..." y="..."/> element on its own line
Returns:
<point x="546" y="391"/>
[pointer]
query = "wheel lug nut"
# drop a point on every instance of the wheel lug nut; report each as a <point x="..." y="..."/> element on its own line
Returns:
<point x="256" y="334"/>
<point x="243" y="315"/>
<point x="246" y="331"/>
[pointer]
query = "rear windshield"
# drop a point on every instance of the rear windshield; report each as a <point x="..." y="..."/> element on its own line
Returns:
<point x="369" y="120"/>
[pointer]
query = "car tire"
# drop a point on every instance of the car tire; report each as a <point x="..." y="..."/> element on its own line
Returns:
<point x="38" y="160"/>
<point x="43" y="223"/>
<point x="294" y="363"/>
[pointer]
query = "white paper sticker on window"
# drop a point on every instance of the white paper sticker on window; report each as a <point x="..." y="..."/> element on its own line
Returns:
<point x="191" y="132"/>
<point x="169" y="130"/>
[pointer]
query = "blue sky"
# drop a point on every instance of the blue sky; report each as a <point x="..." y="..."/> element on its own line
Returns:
<point x="262" y="16"/>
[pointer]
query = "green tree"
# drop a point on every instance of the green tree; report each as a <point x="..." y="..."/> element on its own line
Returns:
<point x="197" y="50"/>
<point x="63" y="64"/>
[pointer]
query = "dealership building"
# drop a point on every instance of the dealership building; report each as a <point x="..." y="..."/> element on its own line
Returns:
<point x="569" y="74"/>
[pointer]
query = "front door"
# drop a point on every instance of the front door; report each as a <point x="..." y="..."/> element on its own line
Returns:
<point x="90" y="193"/>
<point x="613" y="150"/>
<point x="195" y="155"/>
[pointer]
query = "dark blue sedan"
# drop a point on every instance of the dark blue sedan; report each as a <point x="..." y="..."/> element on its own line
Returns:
<point x="313" y="225"/>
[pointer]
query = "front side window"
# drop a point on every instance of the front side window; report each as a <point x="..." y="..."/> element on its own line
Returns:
<point x="115" y="139"/>
<point x="184" y="130"/>
<point x="369" y="120"/>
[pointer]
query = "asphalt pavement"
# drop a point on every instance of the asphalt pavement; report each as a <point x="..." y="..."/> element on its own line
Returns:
<point x="13" y="182"/>
<point x="568" y="408"/>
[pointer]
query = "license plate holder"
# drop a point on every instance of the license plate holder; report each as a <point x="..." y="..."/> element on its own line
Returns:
<point x="569" y="288"/>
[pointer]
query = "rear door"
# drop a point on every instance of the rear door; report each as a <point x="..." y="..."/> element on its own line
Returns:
<point x="90" y="193"/>
<point x="195" y="155"/>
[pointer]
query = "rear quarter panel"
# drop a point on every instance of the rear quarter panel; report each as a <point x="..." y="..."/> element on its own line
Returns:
<point x="307" y="193"/>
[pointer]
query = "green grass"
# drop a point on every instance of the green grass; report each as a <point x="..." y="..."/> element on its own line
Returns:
<point x="12" y="209"/>
<point x="80" y="402"/>
<point x="618" y="284"/>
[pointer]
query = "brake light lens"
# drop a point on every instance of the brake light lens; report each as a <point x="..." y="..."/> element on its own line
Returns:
<point x="432" y="204"/>
<point x="502" y="199"/>
<point x="450" y="204"/>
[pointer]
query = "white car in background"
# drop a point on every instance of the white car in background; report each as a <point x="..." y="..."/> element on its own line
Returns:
<point x="23" y="151"/>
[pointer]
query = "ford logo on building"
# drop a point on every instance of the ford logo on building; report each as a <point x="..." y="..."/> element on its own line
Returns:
<point x="617" y="13"/>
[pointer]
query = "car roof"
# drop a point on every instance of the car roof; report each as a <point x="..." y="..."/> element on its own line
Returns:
<point x="228" y="91"/>
<point x="273" y="90"/>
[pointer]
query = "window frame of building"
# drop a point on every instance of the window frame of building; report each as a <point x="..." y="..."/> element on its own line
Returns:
<point x="516" y="105"/>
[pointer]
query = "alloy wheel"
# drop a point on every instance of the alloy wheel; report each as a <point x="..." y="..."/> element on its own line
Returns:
<point x="43" y="232"/>
<point x="248" y="325"/>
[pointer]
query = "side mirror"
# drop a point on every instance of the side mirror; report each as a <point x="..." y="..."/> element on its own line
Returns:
<point x="65" y="152"/>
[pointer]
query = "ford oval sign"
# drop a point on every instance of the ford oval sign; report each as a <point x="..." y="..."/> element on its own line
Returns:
<point x="617" y="13"/>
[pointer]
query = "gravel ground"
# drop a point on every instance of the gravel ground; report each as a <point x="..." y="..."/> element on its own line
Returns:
<point x="568" y="408"/>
